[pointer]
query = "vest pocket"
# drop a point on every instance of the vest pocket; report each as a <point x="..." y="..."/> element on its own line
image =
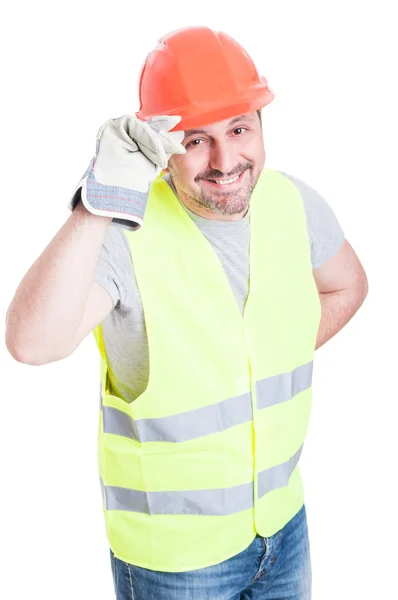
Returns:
<point x="109" y="391"/>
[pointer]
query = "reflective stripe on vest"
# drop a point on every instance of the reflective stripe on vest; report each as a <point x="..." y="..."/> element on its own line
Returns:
<point x="208" y="419"/>
<point x="215" y="502"/>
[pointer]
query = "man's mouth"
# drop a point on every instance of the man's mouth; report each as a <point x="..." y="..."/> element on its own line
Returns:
<point x="219" y="183"/>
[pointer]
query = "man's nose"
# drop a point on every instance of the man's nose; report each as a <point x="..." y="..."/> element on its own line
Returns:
<point x="223" y="157"/>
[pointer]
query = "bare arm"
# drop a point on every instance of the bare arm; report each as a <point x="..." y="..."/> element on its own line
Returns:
<point x="49" y="305"/>
<point x="342" y="285"/>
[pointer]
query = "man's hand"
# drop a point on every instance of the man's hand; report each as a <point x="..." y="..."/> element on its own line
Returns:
<point x="343" y="286"/>
<point x="130" y="154"/>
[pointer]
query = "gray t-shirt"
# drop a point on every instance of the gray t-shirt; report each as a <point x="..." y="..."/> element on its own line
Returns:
<point x="124" y="332"/>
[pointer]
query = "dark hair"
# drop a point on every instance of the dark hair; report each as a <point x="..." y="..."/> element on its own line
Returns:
<point x="259" y="114"/>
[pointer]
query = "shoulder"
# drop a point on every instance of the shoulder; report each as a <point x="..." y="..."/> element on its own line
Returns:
<point x="114" y="268"/>
<point x="116" y="243"/>
<point x="325" y="233"/>
<point x="311" y="198"/>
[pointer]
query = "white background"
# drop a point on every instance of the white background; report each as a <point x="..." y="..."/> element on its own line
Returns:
<point x="66" y="69"/>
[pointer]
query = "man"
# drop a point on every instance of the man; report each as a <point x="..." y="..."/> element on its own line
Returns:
<point x="208" y="296"/>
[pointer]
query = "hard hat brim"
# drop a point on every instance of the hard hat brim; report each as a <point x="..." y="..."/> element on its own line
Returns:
<point x="198" y="116"/>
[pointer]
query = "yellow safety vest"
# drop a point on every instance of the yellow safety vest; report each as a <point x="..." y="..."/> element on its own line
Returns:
<point x="206" y="456"/>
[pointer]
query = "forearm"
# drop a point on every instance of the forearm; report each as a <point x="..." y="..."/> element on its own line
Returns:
<point x="49" y="302"/>
<point x="337" y="309"/>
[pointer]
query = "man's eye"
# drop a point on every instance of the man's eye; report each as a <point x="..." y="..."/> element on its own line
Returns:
<point x="197" y="140"/>
<point x="240" y="128"/>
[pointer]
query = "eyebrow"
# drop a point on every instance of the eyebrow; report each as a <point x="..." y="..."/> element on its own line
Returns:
<point x="235" y="120"/>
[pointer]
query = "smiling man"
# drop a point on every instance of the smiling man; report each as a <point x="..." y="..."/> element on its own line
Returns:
<point x="218" y="174"/>
<point x="208" y="293"/>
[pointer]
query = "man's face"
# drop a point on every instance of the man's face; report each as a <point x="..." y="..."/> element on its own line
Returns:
<point x="225" y="150"/>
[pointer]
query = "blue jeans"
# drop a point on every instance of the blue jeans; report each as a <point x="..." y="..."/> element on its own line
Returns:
<point x="273" y="568"/>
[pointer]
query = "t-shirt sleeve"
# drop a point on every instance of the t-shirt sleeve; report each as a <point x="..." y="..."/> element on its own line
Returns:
<point x="112" y="263"/>
<point x="325" y="233"/>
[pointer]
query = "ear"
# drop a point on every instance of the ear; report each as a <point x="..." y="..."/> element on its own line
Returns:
<point x="166" y="170"/>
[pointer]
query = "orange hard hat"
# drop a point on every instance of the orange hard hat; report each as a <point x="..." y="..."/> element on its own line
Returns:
<point x="203" y="75"/>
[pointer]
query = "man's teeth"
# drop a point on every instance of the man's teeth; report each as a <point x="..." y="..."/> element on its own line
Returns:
<point x="224" y="181"/>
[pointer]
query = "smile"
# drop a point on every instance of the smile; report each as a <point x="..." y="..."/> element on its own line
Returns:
<point x="218" y="183"/>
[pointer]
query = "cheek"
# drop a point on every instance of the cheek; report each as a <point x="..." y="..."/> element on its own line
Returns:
<point x="184" y="174"/>
<point x="253" y="149"/>
<point x="189" y="166"/>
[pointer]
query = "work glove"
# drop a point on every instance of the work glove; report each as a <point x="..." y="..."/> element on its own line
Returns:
<point x="130" y="154"/>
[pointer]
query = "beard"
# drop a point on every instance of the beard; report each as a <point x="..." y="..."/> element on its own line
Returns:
<point x="225" y="202"/>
